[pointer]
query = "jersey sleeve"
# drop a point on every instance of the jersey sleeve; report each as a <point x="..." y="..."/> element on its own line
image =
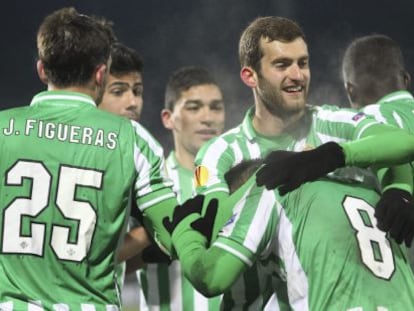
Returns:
<point x="152" y="188"/>
<point x="213" y="160"/>
<point x="250" y="229"/>
<point x="340" y="124"/>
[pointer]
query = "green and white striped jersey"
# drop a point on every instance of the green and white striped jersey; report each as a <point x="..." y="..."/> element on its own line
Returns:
<point x="396" y="109"/>
<point x="67" y="169"/>
<point x="164" y="287"/>
<point x="320" y="125"/>
<point x="323" y="240"/>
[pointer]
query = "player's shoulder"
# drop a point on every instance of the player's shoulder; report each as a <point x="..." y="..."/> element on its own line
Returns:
<point x="335" y="114"/>
<point x="13" y="112"/>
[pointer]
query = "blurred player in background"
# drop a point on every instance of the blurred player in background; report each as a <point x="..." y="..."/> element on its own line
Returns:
<point x="194" y="113"/>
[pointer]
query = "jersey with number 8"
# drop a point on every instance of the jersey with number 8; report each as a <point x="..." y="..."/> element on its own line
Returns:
<point x="67" y="169"/>
<point x="322" y="238"/>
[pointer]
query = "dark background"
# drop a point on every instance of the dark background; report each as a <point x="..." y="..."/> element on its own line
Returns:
<point x="172" y="33"/>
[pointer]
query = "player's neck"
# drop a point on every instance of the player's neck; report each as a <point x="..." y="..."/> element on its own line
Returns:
<point x="79" y="89"/>
<point x="184" y="158"/>
<point x="269" y="124"/>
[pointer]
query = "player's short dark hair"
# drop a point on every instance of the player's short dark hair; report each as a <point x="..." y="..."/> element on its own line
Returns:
<point x="72" y="45"/>
<point x="374" y="59"/>
<point x="184" y="78"/>
<point x="240" y="173"/>
<point x="271" y="28"/>
<point x="124" y="60"/>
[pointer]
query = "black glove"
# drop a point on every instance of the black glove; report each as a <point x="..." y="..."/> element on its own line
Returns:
<point x="289" y="169"/>
<point x="153" y="254"/>
<point x="205" y="224"/>
<point x="193" y="205"/>
<point x="395" y="214"/>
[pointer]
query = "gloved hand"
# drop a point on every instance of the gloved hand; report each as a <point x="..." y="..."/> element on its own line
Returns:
<point x="395" y="214"/>
<point x="153" y="254"/>
<point x="288" y="170"/>
<point x="193" y="205"/>
<point x="205" y="224"/>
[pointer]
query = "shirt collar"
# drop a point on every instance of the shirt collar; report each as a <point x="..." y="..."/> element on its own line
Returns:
<point x="66" y="98"/>
<point x="398" y="95"/>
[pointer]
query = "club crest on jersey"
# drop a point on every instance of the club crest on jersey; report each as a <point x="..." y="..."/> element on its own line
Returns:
<point x="201" y="176"/>
<point x="358" y="116"/>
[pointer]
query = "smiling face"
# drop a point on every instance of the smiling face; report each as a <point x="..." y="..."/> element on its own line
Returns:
<point x="123" y="95"/>
<point x="284" y="77"/>
<point x="198" y="116"/>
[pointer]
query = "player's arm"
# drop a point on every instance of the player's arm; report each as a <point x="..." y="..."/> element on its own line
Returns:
<point x="379" y="145"/>
<point x="211" y="270"/>
<point x="135" y="241"/>
<point x="152" y="188"/>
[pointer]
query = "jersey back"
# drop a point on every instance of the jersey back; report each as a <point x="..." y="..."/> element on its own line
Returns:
<point x="66" y="171"/>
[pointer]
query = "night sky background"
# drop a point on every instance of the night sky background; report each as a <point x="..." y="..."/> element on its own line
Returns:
<point x="170" y="34"/>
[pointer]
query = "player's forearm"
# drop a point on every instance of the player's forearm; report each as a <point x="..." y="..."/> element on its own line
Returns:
<point x="397" y="177"/>
<point x="153" y="217"/>
<point x="211" y="271"/>
<point x="380" y="145"/>
<point x="134" y="242"/>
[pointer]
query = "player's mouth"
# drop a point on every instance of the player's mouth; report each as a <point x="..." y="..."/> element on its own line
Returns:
<point x="207" y="133"/>
<point x="294" y="89"/>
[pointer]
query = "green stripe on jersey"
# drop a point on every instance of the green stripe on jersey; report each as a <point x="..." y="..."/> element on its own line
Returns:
<point x="166" y="288"/>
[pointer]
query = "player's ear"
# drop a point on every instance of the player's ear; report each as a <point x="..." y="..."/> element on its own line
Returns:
<point x="41" y="71"/>
<point x="166" y="118"/>
<point x="407" y="80"/>
<point x="351" y="91"/>
<point x="248" y="76"/>
<point x="100" y="74"/>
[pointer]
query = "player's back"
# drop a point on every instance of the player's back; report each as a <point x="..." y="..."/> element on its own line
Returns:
<point x="66" y="171"/>
<point x="345" y="261"/>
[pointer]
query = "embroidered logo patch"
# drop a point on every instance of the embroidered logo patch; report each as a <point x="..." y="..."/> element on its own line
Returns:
<point x="201" y="176"/>
<point x="358" y="116"/>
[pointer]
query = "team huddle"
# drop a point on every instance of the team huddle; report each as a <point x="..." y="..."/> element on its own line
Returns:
<point x="300" y="207"/>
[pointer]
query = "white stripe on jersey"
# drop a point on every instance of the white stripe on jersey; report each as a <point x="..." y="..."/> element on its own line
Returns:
<point x="343" y="116"/>
<point x="200" y="302"/>
<point x="34" y="305"/>
<point x="152" y="290"/>
<point x="327" y="138"/>
<point x="173" y="175"/>
<point x="60" y="307"/>
<point x="398" y="119"/>
<point x="211" y="158"/>
<point x="238" y="155"/>
<point x="6" y="306"/>
<point x="297" y="282"/>
<point x="399" y="96"/>
<point x="234" y="252"/>
<point x="145" y="205"/>
<point x="374" y="110"/>
<point x="258" y="224"/>
<point x="175" y="285"/>
<point x="254" y="150"/>
<point x="145" y="135"/>
<point x="87" y="307"/>
<point x="63" y="98"/>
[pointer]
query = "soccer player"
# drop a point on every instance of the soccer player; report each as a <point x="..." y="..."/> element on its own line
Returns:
<point x="321" y="238"/>
<point x="67" y="171"/>
<point x="275" y="64"/>
<point x="124" y="89"/>
<point x="377" y="82"/>
<point x="194" y="113"/>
